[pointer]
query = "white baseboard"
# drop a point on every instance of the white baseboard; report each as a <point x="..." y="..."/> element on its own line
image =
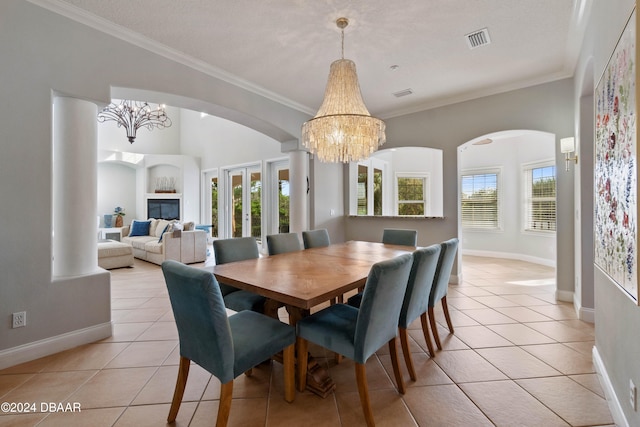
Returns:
<point x="510" y="255"/>
<point x="607" y="387"/>
<point x="564" y="296"/>
<point x="585" y="314"/>
<point x="37" y="349"/>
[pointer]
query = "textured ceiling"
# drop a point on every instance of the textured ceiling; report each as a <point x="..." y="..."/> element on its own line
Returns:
<point x="283" y="48"/>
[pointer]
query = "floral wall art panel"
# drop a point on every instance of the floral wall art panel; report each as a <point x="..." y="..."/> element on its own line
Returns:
<point x="616" y="189"/>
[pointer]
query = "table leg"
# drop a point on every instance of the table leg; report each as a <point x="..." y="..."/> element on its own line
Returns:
<point x="318" y="379"/>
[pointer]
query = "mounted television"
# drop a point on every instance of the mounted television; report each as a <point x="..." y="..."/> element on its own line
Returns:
<point x="163" y="208"/>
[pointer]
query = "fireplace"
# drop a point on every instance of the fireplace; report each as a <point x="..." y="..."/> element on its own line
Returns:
<point x="163" y="208"/>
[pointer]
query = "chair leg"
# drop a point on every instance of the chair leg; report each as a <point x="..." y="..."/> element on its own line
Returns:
<point x="434" y="328"/>
<point x="404" y="341"/>
<point x="181" y="382"/>
<point x="425" y="332"/>
<point x="226" y="392"/>
<point x="393" y="350"/>
<point x="302" y="357"/>
<point x="288" y="361"/>
<point x="445" y="308"/>
<point x="363" y="391"/>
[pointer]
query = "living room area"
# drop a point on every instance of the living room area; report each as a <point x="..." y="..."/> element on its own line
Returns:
<point x="159" y="177"/>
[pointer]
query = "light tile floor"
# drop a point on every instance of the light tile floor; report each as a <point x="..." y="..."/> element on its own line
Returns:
<point x="517" y="358"/>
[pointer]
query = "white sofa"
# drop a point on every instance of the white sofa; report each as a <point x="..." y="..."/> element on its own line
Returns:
<point x="187" y="246"/>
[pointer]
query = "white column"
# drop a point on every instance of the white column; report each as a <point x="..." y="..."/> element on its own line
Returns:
<point x="75" y="177"/>
<point x="299" y="199"/>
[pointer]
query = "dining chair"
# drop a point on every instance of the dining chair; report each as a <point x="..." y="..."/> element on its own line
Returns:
<point x="283" y="243"/>
<point x="238" y="249"/>
<point x="416" y="300"/>
<point x="359" y="333"/>
<point x="224" y="346"/>
<point x="319" y="239"/>
<point x="316" y="238"/>
<point x="397" y="236"/>
<point x="441" y="286"/>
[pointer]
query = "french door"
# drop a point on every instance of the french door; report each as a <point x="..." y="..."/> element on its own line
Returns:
<point x="243" y="202"/>
<point x="278" y="208"/>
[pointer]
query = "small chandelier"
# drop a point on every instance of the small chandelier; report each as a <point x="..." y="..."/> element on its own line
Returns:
<point x="133" y="115"/>
<point x="342" y="129"/>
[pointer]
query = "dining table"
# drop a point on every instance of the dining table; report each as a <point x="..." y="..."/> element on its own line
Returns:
<point x="304" y="279"/>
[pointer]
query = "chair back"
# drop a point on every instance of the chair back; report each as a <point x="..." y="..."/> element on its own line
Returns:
<point x="316" y="238"/>
<point x="283" y="243"/>
<point x="423" y="270"/>
<point x="379" y="312"/>
<point x="201" y="318"/>
<point x="443" y="272"/>
<point x="396" y="236"/>
<point x="236" y="249"/>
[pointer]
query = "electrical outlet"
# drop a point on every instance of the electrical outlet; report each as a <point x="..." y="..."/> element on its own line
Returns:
<point x="19" y="319"/>
<point x="633" y="395"/>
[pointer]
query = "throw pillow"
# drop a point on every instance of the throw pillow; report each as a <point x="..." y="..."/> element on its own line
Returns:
<point x="189" y="226"/>
<point x="139" y="228"/>
<point x="167" y="228"/>
<point x="162" y="225"/>
<point x="154" y="225"/>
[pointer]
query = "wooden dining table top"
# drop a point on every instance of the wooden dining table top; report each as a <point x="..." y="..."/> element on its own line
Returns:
<point x="308" y="277"/>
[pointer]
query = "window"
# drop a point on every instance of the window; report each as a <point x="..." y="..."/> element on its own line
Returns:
<point x="411" y="191"/>
<point x="480" y="200"/>
<point x="362" y="189"/>
<point x="369" y="188"/>
<point x="540" y="198"/>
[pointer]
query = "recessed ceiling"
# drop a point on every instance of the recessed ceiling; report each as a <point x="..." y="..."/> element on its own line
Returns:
<point x="283" y="48"/>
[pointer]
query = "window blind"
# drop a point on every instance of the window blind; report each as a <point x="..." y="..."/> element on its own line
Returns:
<point x="480" y="201"/>
<point x="540" y="212"/>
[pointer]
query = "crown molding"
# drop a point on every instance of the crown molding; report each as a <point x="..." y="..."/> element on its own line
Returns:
<point x="100" y="24"/>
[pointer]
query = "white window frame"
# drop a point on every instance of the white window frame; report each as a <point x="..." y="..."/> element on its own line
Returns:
<point x="371" y="164"/>
<point x="499" y="192"/>
<point x="426" y="192"/>
<point x="527" y="169"/>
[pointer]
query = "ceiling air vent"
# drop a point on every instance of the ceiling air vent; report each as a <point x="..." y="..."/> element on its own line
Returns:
<point x="478" y="38"/>
<point x="402" y="93"/>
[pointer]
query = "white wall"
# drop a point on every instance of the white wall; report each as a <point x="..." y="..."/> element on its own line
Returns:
<point x="115" y="189"/>
<point x="219" y="142"/>
<point x="509" y="154"/>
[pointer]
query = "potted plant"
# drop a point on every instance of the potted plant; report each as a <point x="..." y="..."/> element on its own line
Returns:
<point x="118" y="212"/>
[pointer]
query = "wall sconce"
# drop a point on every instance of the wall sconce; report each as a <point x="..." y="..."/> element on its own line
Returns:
<point x="568" y="146"/>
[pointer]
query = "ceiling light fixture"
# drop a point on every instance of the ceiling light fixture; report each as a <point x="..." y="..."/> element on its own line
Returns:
<point x="133" y="115"/>
<point x="342" y="129"/>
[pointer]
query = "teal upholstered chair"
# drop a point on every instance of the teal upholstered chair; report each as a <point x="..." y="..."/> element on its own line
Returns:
<point x="396" y="236"/>
<point x="416" y="300"/>
<point x="316" y="238"/>
<point x="358" y="333"/>
<point x="238" y="249"/>
<point x="283" y="243"/>
<point x="224" y="346"/>
<point x="441" y="286"/>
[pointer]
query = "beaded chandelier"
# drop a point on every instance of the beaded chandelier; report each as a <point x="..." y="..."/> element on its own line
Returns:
<point x="342" y="129"/>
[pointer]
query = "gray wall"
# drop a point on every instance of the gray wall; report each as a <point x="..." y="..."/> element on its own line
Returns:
<point x="547" y="107"/>
<point x="617" y="316"/>
<point x="44" y="53"/>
